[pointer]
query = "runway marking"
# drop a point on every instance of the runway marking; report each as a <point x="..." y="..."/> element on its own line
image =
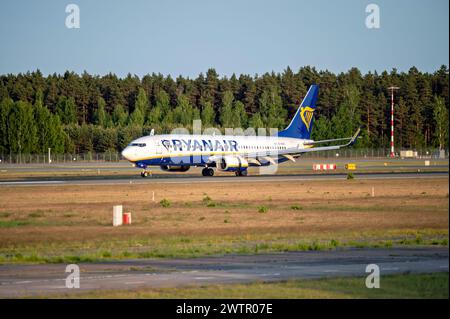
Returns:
<point x="203" y="278"/>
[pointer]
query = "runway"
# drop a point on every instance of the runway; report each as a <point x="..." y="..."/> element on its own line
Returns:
<point x="38" y="280"/>
<point x="188" y="179"/>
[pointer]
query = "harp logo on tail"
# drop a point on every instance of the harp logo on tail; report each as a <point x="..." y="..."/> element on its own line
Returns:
<point x="306" y="114"/>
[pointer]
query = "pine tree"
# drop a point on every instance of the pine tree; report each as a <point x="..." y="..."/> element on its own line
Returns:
<point x="321" y="129"/>
<point x="381" y="113"/>
<point x="271" y="109"/>
<point x="184" y="112"/>
<point x="154" y="116"/>
<point x="161" y="108"/>
<point x="441" y="118"/>
<point x="209" y="91"/>
<point x="100" y="114"/>
<point x="347" y="118"/>
<point x="42" y="118"/>
<point x="5" y="109"/>
<point x="141" y="102"/>
<point x="276" y="113"/>
<point x="226" y="111"/>
<point x="22" y="129"/>
<point x="57" y="137"/>
<point x="137" y="118"/>
<point x="402" y="129"/>
<point x="207" y="114"/>
<point x="66" y="110"/>
<point x="119" y="116"/>
<point x="240" y="117"/>
<point x="256" y="121"/>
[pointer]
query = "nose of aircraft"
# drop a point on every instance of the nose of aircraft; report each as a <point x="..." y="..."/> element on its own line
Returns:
<point x="126" y="153"/>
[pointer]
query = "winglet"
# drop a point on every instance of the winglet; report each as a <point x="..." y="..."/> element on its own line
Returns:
<point x="355" y="136"/>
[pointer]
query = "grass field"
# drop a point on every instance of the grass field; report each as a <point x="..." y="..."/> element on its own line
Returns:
<point x="73" y="223"/>
<point x="391" y="286"/>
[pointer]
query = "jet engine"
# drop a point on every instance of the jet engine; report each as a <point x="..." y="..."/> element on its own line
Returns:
<point x="232" y="163"/>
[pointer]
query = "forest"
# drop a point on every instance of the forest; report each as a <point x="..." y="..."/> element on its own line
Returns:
<point x="73" y="113"/>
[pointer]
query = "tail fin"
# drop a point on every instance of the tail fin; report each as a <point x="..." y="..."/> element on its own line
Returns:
<point x="301" y="124"/>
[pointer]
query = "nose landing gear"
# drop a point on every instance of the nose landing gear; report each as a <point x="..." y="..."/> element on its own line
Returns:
<point x="145" y="173"/>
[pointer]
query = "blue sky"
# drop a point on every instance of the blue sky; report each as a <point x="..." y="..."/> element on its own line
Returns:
<point x="233" y="36"/>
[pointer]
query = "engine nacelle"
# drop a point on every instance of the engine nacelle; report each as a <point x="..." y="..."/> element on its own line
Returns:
<point x="232" y="163"/>
<point x="172" y="168"/>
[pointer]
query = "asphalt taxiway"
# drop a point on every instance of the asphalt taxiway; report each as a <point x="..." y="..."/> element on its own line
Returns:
<point x="44" y="280"/>
<point x="188" y="179"/>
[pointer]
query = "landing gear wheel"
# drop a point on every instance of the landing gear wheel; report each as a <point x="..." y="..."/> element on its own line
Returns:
<point x="241" y="173"/>
<point x="207" y="171"/>
<point x="144" y="174"/>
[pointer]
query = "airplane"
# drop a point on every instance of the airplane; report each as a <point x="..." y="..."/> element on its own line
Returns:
<point x="229" y="153"/>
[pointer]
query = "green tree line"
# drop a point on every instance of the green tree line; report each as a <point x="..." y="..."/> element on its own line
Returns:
<point x="87" y="113"/>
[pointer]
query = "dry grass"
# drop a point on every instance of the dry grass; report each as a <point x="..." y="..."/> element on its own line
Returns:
<point x="64" y="215"/>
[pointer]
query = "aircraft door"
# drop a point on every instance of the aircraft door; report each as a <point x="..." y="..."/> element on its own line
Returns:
<point x="158" y="148"/>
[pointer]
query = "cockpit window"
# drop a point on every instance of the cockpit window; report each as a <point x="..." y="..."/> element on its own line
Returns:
<point x="138" y="144"/>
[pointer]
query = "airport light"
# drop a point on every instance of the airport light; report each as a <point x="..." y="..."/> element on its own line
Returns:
<point x="392" y="88"/>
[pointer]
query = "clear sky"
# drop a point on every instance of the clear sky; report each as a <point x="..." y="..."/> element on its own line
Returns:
<point x="234" y="36"/>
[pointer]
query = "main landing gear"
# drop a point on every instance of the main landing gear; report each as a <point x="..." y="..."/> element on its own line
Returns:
<point x="207" y="171"/>
<point x="145" y="173"/>
<point x="241" y="173"/>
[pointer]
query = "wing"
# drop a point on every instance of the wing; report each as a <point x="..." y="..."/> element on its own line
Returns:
<point x="312" y="148"/>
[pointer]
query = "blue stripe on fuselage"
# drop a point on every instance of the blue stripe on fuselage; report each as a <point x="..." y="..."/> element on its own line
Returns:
<point x="175" y="160"/>
<point x="187" y="160"/>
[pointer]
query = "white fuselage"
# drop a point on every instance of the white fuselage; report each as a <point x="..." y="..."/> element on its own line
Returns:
<point x="185" y="149"/>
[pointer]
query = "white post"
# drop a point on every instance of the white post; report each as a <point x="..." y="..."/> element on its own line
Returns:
<point x="117" y="215"/>
<point x="49" y="156"/>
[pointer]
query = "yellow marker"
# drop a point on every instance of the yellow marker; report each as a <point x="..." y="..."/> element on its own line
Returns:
<point x="350" y="166"/>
